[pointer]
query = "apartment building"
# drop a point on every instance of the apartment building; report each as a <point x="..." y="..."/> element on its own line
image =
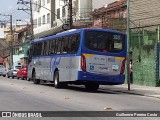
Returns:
<point x="50" y="15"/>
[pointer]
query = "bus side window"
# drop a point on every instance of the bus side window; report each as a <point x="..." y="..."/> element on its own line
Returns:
<point x="58" y="45"/>
<point x="52" y="47"/>
<point x="69" y="43"/>
<point x="65" y="45"/>
<point x="75" y="43"/>
<point x="44" y="48"/>
<point x="35" y="49"/>
<point x="73" y="46"/>
<point x="47" y="49"/>
<point x="62" y="45"/>
<point x="38" y="48"/>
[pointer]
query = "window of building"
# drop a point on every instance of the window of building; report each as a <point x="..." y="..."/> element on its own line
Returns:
<point x="48" y="1"/>
<point x="44" y="19"/>
<point x="39" y="21"/>
<point x="43" y="2"/>
<point x="35" y="23"/>
<point x="48" y="18"/>
<point x="58" y="13"/>
<point x="63" y="12"/>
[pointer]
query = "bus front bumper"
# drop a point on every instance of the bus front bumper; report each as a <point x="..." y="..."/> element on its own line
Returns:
<point x="101" y="78"/>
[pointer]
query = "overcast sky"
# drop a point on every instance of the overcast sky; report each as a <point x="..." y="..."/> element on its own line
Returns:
<point x="10" y="7"/>
<point x="101" y="3"/>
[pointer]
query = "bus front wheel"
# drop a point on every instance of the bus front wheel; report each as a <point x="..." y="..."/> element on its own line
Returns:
<point x="56" y="80"/>
<point x="91" y="86"/>
<point x="36" y="81"/>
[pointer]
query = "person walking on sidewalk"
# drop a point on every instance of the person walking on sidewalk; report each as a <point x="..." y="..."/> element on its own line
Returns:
<point x="131" y="68"/>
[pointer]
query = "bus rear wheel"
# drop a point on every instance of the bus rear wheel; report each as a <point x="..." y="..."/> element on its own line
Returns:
<point x="35" y="81"/>
<point x="56" y="80"/>
<point x="91" y="86"/>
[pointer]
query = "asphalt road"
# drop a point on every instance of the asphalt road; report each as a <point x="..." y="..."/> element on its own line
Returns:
<point x="22" y="95"/>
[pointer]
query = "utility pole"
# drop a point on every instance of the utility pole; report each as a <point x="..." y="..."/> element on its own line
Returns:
<point x="70" y="14"/>
<point x="32" y="32"/>
<point x="11" y="43"/>
<point x="31" y="13"/>
<point x="128" y="43"/>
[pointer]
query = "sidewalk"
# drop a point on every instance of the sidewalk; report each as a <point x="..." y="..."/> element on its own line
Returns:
<point x="137" y="90"/>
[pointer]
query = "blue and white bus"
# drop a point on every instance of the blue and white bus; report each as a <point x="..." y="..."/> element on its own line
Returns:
<point x="88" y="56"/>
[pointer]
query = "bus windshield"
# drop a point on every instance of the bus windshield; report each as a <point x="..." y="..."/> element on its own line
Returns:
<point x="104" y="41"/>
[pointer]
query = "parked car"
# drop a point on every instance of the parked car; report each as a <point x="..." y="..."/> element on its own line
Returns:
<point x="22" y="73"/>
<point x="3" y="71"/>
<point x="13" y="71"/>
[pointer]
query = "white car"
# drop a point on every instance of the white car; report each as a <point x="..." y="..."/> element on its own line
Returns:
<point x="13" y="71"/>
<point x="3" y="71"/>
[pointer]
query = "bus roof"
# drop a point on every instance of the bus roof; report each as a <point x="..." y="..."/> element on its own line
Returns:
<point x="73" y="31"/>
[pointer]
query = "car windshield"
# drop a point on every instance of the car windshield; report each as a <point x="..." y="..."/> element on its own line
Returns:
<point x="104" y="41"/>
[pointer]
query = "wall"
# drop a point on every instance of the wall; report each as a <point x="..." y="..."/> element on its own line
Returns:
<point x="144" y="48"/>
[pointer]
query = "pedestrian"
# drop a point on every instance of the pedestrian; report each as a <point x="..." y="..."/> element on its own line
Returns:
<point x="131" y="68"/>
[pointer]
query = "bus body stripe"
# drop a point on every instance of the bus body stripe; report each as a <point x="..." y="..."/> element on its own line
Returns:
<point x="88" y="55"/>
<point x="120" y="58"/>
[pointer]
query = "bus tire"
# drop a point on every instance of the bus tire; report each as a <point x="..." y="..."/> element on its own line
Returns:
<point x="35" y="81"/>
<point x="56" y="80"/>
<point x="91" y="86"/>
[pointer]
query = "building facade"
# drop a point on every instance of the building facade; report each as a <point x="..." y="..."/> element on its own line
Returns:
<point x="112" y="16"/>
<point x="50" y="15"/>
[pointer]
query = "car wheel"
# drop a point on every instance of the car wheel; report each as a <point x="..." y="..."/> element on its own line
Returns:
<point x="12" y="77"/>
<point x="4" y="75"/>
<point x="17" y="77"/>
<point x="56" y="80"/>
<point x="35" y="81"/>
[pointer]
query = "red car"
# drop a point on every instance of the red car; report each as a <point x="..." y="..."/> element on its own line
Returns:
<point x="22" y="73"/>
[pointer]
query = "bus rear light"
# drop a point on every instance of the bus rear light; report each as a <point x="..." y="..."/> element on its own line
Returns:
<point x="123" y="66"/>
<point x="83" y="63"/>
